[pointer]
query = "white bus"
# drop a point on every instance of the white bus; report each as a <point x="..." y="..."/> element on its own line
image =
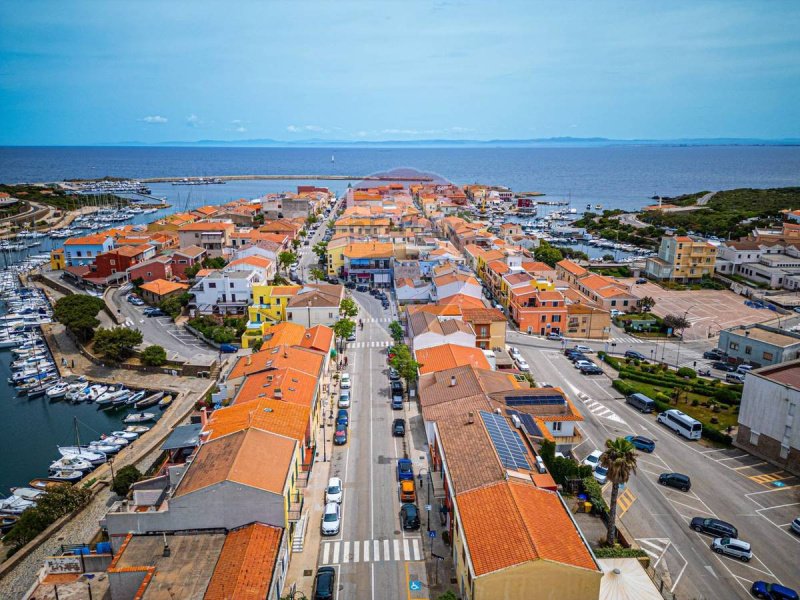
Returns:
<point x="681" y="423"/>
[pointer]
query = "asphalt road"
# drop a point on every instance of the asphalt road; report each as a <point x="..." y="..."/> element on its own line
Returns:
<point x="727" y="484"/>
<point x="177" y="342"/>
<point x="373" y="556"/>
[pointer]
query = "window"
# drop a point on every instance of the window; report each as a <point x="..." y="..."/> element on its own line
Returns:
<point x="544" y="318"/>
<point x="231" y="284"/>
<point x="182" y="261"/>
<point x="625" y="303"/>
<point x="330" y="315"/>
<point x="212" y="285"/>
<point x="112" y="261"/>
<point x="754" y="438"/>
<point x="767" y="356"/>
<point x="733" y="346"/>
<point x="613" y="303"/>
<point x="557" y="426"/>
<point x="556" y="318"/>
<point x="748" y="349"/>
<point x="483" y="331"/>
<point x="278" y="301"/>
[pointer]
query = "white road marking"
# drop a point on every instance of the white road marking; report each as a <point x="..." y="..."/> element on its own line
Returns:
<point x="386" y="550"/>
<point x="326" y="552"/>
<point x="346" y="552"/>
<point x="336" y="552"/>
<point x="397" y="549"/>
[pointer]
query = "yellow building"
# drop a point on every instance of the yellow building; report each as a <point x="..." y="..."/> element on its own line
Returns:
<point x="57" y="259"/>
<point x="268" y="307"/>
<point x="363" y="225"/>
<point x="335" y="256"/>
<point x="682" y="258"/>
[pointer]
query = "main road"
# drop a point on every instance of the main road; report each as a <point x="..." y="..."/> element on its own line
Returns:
<point x="726" y="483"/>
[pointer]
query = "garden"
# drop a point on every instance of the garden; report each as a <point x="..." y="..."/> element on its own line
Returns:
<point x="229" y="330"/>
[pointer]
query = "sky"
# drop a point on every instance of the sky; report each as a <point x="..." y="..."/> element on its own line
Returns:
<point x="104" y="72"/>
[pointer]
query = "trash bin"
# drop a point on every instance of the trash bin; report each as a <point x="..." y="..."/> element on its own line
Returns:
<point x="587" y="507"/>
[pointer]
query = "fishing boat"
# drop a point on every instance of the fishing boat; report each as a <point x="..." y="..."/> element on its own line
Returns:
<point x="43" y="483"/>
<point x="75" y="390"/>
<point x="66" y="475"/>
<point x="104" y="446"/>
<point x="115" y="441"/>
<point x="14" y="505"/>
<point x="128" y="435"/>
<point x="59" y="390"/>
<point x="165" y="402"/>
<point x="7" y="522"/>
<point x="140" y="429"/>
<point x="96" y="391"/>
<point x="94" y="457"/>
<point x="140" y="417"/>
<point x="136" y="397"/>
<point x="71" y="463"/>
<point x="27" y="493"/>
<point x="122" y="399"/>
<point x="149" y="401"/>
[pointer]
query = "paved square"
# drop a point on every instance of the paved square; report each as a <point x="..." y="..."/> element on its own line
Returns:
<point x="709" y="310"/>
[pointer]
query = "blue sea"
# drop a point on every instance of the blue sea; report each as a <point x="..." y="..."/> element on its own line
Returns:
<point x="614" y="176"/>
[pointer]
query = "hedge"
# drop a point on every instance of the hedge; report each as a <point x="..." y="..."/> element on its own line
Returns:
<point x="715" y="435"/>
<point x="595" y="493"/>
<point x="619" y="552"/>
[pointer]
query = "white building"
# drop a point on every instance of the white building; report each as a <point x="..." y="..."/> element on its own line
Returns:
<point x="315" y="304"/>
<point x="456" y="283"/>
<point x="769" y="416"/>
<point x="225" y="292"/>
<point x="427" y="330"/>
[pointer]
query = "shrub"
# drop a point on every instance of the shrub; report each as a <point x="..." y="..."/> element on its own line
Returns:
<point x="622" y="387"/>
<point x="595" y="493"/>
<point x="619" y="552"/>
<point x="154" y="356"/>
<point x="687" y="372"/>
<point x="715" y="435"/>
<point x="124" y="479"/>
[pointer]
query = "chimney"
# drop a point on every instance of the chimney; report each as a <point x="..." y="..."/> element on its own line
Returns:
<point x="471" y="418"/>
<point x="249" y="359"/>
<point x="204" y="416"/>
<point x="278" y="394"/>
<point x="452" y="381"/>
<point x="166" y="551"/>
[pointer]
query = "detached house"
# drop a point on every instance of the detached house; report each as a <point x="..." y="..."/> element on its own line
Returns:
<point x="212" y="236"/>
<point x="79" y="251"/>
<point x="225" y="292"/>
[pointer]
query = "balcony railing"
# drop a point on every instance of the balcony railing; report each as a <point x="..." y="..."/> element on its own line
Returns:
<point x="296" y="506"/>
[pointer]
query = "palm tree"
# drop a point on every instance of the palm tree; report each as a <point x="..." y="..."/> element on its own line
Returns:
<point x="620" y="460"/>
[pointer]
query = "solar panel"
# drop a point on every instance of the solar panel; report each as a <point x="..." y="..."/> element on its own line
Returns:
<point x="528" y="422"/>
<point x="506" y="441"/>
<point x="544" y="400"/>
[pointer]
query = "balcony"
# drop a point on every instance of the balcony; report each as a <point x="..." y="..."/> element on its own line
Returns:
<point x="569" y="440"/>
<point x="295" y="506"/>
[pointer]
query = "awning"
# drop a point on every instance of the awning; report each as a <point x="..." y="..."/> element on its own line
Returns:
<point x="183" y="436"/>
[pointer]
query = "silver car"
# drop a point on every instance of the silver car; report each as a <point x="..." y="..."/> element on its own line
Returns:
<point x="331" y="519"/>
<point x="333" y="493"/>
<point x="732" y="547"/>
<point x="796" y="525"/>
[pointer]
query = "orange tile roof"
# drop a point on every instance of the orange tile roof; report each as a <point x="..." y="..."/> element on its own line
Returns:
<point x="447" y="356"/>
<point x="483" y="315"/>
<point x="132" y="251"/>
<point x="292" y="385"/>
<point x="240" y="457"/>
<point x="453" y="277"/>
<point x="285" y="290"/>
<point x="511" y="523"/>
<point x="551" y="295"/>
<point x="206" y="226"/>
<point x="277" y="357"/>
<point x="256" y="261"/>
<point x="369" y="250"/>
<point x="191" y="251"/>
<point x="285" y="333"/>
<point x="498" y="266"/>
<point x="276" y="416"/>
<point x="205" y="272"/>
<point x="246" y="564"/>
<point x="463" y="301"/>
<point x="444" y="310"/>
<point x="87" y="240"/>
<point x="207" y="210"/>
<point x="683" y="238"/>
<point x="159" y="287"/>
<point x="318" y="338"/>
<point x="571" y="267"/>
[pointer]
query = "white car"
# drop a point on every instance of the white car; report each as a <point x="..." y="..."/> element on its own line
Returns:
<point x="593" y="459"/>
<point x="344" y="382"/>
<point x="522" y="364"/>
<point x="584" y="363"/>
<point x="331" y="519"/>
<point x="333" y="493"/>
<point x="584" y="349"/>
<point x="514" y="352"/>
<point x="600" y="474"/>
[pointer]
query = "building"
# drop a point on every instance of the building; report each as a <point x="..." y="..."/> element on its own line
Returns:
<point x="759" y="345"/>
<point x="185" y="258"/>
<point x="153" y="292"/>
<point x="264" y="266"/>
<point x="426" y="330"/>
<point x="682" y="258"/>
<point x="159" y="267"/>
<point x="456" y="283"/>
<point x="225" y="292"/>
<point x="269" y="302"/>
<point x="57" y="260"/>
<point x="448" y="356"/>
<point x="315" y="304"/>
<point x="369" y="263"/>
<point x="586" y="321"/>
<point x="768" y="424"/>
<point x="538" y="312"/>
<point x="212" y="236"/>
<point x="489" y="325"/>
<point x="79" y="251"/>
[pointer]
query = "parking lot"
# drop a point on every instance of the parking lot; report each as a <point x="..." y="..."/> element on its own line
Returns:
<point x="709" y="311"/>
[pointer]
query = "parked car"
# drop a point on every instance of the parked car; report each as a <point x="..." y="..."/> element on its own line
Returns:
<point x="385" y="304"/>
<point x="713" y="354"/>
<point x="352" y="336"/>
<point x="584" y="363"/>
<point x="734" y="378"/>
<point x="344" y="399"/>
<point x="362" y="288"/>
<point x="732" y="547"/>
<point x="350" y="285"/>
<point x="773" y="591"/>
<point x="393" y="374"/>
<point x="676" y="480"/>
<point x="374" y="291"/>
<point x="796" y="525"/>
<point x="576" y="356"/>
<point x="399" y="427"/>
<point x="641" y="280"/>
<point x="409" y="516"/>
<point x="154" y="312"/>
<point x="331" y="519"/>
<point x="584" y="349"/>
<point x="593" y="459"/>
<point x="405" y="469"/>
<point x="600" y="474"/>
<point x="396" y="388"/>
<point x="590" y="370"/>
<point x="634" y="354"/>
<point x="522" y="364"/>
<point x="325" y="583"/>
<point x="333" y="493"/>
<point x="342" y="418"/>
<point x="344" y="381"/>
<point x="743" y="369"/>
<point x="408" y="493"/>
<point x="557" y="337"/>
<point x="714" y="527"/>
<point x="723" y="366"/>
<point x="227" y="348"/>
<point x="641" y="443"/>
<point x="340" y="437"/>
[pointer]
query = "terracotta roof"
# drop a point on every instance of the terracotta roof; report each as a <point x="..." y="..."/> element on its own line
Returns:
<point x="518" y="278"/>
<point x="255" y="261"/>
<point x="425" y="322"/>
<point x="246" y="564"/>
<point x="191" y="251"/>
<point x="455" y="277"/>
<point x="536" y="266"/>
<point x="435" y="388"/>
<point x="468" y="452"/>
<point x="285" y="290"/>
<point x="318" y="295"/>
<point x="286" y="384"/>
<point x="683" y="238"/>
<point x="447" y="356"/>
<point x="511" y="523"/>
<point x="132" y="251"/>
<point x="464" y="301"/>
<point x="87" y="240"/>
<point x="318" y="338"/>
<point x="277" y="357"/>
<point x="483" y="315"/>
<point x="571" y="267"/>
<point x="551" y="295"/>
<point x="498" y="266"/>
<point x="444" y="310"/>
<point x="285" y="333"/>
<point x="369" y="250"/>
<point x="240" y="457"/>
<point x="206" y="226"/>
<point x="159" y="287"/>
<point x="268" y="414"/>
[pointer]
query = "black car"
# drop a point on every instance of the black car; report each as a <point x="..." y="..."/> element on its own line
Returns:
<point x="576" y="356"/>
<point x="350" y="285"/>
<point x="385" y="304"/>
<point x="712" y="355"/>
<point x="409" y="516"/>
<point x="676" y="480"/>
<point x="723" y="366"/>
<point x="361" y="288"/>
<point x="591" y="370"/>
<point x="325" y="583"/>
<point x="374" y="291"/>
<point x="397" y="388"/>
<point x="155" y="312"/>
<point x="714" y="527"/>
<point x="634" y="354"/>
<point x="333" y="280"/>
<point x="399" y="428"/>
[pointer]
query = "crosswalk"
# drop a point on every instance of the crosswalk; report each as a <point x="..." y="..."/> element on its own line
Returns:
<point x="406" y="549"/>
<point x="628" y="339"/>
<point x="379" y="320"/>
<point x="655" y="547"/>
<point x="600" y="410"/>
<point x="383" y="344"/>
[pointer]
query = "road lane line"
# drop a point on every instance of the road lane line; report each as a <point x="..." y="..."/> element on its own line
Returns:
<point x="336" y="552"/>
<point x="415" y="547"/>
<point x="346" y="552"/>
<point x="406" y="553"/>
<point x="326" y="553"/>
<point x="747" y="466"/>
<point x="397" y="549"/>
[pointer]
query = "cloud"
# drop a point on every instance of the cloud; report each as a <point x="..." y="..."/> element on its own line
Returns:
<point x="154" y="119"/>
<point x="238" y="126"/>
<point x="306" y="128"/>
<point x="193" y="121"/>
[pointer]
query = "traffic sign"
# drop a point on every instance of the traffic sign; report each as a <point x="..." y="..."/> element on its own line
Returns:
<point x="427" y="507"/>
<point x="414" y="586"/>
<point x="432" y="533"/>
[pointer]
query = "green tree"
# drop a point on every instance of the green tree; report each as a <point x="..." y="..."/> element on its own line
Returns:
<point x="396" y="331"/>
<point x="125" y="478"/>
<point x="295" y="244"/>
<point x="78" y="313"/>
<point x="320" y="249"/>
<point x="404" y="363"/>
<point x="216" y="262"/>
<point x="256" y="346"/>
<point x="311" y="220"/>
<point x="286" y="259"/>
<point x="547" y="254"/>
<point x="344" y="328"/>
<point x="118" y="343"/>
<point x="191" y="271"/>
<point x="137" y="283"/>
<point x="348" y="308"/>
<point x="647" y="303"/>
<point x="620" y="460"/>
<point x="608" y="257"/>
<point x="172" y="305"/>
<point x="280" y="280"/>
<point x="677" y="323"/>
<point x="448" y="595"/>
<point x="317" y="274"/>
<point x="154" y="356"/>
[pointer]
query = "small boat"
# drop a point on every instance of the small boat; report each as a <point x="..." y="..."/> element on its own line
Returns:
<point x="104" y="447"/>
<point x="149" y="401"/>
<point x="107" y="396"/>
<point x="43" y="484"/>
<point x="136" y="397"/>
<point x="66" y="475"/>
<point x="27" y="493"/>
<point x="59" y="390"/>
<point x="7" y="522"/>
<point x="14" y="505"/>
<point x="139" y="417"/>
<point x="165" y="401"/>
<point x="128" y="435"/>
<point x="96" y="391"/>
<point x="72" y="463"/>
<point x="115" y="441"/>
<point x="140" y="429"/>
<point x="75" y="390"/>
<point x="96" y="458"/>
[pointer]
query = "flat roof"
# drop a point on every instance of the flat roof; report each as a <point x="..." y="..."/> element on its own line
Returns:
<point x="787" y="373"/>
<point x="765" y="335"/>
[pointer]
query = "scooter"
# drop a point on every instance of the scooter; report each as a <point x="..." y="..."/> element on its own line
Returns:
<point x="704" y="372"/>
